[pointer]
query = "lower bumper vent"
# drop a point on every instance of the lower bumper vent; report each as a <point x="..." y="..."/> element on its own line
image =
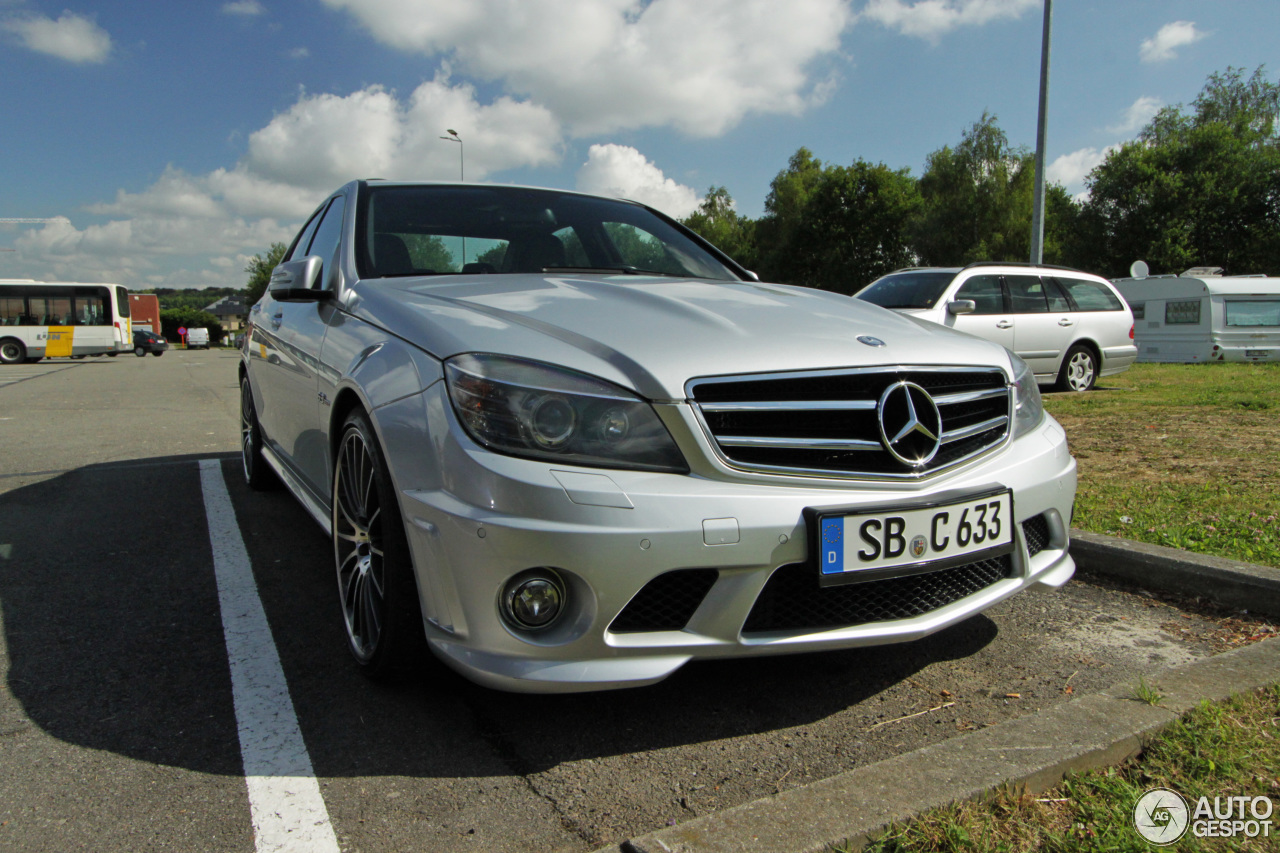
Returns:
<point x="792" y="600"/>
<point x="666" y="603"/>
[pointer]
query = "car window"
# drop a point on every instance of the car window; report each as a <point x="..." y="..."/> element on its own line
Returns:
<point x="907" y="289"/>
<point x="986" y="293"/>
<point x="1185" y="312"/>
<point x="416" y="230"/>
<point x="325" y="243"/>
<point x="304" y="237"/>
<point x="1026" y="294"/>
<point x="1058" y="301"/>
<point x="1090" y="295"/>
<point x="1253" y="312"/>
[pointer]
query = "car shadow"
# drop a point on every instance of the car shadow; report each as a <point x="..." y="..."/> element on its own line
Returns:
<point x="114" y="640"/>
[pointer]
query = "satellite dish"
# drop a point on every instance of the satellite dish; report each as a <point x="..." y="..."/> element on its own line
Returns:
<point x="1139" y="269"/>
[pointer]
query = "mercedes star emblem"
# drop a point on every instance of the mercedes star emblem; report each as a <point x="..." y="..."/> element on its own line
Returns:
<point x="910" y="425"/>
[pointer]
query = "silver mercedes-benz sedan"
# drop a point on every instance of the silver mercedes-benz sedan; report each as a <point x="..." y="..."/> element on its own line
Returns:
<point x="568" y="445"/>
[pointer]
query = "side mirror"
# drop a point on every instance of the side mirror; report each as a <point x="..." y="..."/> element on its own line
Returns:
<point x="295" y="281"/>
<point x="962" y="306"/>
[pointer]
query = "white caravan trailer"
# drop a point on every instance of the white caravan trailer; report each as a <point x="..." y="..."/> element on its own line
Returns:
<point x="1199" y="316"/>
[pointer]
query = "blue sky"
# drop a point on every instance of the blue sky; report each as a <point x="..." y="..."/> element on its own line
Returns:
<point x="180" y="139"/>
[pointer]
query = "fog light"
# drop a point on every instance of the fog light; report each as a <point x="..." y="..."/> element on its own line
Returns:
<point x="534" y="599"/>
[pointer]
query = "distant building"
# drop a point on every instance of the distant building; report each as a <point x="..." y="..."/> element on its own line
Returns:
<point x="144" y="311"/>
<point x="230" y="311"/>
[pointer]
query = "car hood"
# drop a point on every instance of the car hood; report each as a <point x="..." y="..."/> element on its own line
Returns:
<point x="654" y="334"/>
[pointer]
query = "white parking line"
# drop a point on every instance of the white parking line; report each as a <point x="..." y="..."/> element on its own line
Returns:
<point x="284" y="798"/>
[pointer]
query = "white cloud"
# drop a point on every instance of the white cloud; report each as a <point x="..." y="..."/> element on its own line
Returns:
<point x="248" y="8"/>
<point x="932" y="19"/>
<point x="1072" y="169"/>
<point x="622" y="171"/>
<point x="606" y="65"/>
<point x="1136" y="117"/>
<point x="71" y="37"/>
<point x="1162" y="45"/>
<point x="315" y="146"/>
<point x="299" y="53"/>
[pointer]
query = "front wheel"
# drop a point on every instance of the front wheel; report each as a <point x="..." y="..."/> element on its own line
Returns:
<point x="1079" y="369"/>
<point x="376" y="587"/>
<point x="12" y="351"/>
<point x="139" y="352"/>
<point x="257" y="473"/>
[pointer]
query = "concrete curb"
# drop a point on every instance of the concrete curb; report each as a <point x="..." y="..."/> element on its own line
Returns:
<point x="1227" y="583"/>
<point x="1035" y="750"/>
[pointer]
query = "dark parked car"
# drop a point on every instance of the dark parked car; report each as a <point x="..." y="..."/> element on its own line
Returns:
<point x="148" y="342"/>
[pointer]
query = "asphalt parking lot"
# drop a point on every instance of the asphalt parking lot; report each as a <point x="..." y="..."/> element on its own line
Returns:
<point x="118" y="730"/>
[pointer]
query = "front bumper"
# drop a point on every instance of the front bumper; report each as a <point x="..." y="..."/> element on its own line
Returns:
<point x="609" y="533"/>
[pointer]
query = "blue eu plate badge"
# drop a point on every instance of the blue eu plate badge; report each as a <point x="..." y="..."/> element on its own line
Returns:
<point x="832" y="546"/>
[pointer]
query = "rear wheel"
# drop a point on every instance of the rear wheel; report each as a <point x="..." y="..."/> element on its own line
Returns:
<point x="12" y="351"/>
<point x="257" y="473"/>
<point x="1079" y="369"/>
<point x="376" y="587"/>
<point x="139" y="352"/>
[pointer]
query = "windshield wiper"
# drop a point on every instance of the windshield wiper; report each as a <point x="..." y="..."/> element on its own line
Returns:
<point x="624" y="270"/>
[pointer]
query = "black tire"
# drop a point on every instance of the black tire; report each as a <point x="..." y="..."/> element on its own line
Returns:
<point x="12" y="351"/>
<point x="76" y="357"/>
<point x="1079" y="369"/>
<point x="113" y="354"/>
<point x="139" y="352"/>
<point x="35" y="360"/>
<point x="257" y="473"/>
<point x="376" y="586"/>
<point x="157" y="353"/>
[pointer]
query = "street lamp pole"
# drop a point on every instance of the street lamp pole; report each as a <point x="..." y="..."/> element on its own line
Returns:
<point x="454" y="137"/>
<point x="462" y="174"/>
<point x="1037" y="210"/>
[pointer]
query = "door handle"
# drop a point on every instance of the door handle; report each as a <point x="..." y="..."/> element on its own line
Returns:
<point x="1065" y="322"/>
<point x="1004" y="324"/>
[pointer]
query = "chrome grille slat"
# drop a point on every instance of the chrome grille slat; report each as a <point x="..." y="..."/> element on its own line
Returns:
<point x="794" y="406"/>
<point x="806" y="443"/>
<point x="975" y="429"/>
<point x="826" y="422"/>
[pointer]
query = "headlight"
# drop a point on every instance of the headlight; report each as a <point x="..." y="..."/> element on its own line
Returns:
<point x="539" y="411"/>
<point x="1030" y="409"/>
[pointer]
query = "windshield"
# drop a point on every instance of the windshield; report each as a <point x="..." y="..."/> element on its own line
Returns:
<point x="441" y="230"/>
<point x="907" y="289"/>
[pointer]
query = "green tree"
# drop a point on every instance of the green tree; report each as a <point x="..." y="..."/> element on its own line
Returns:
<point x="784" y="209"/>
<point x="718" y="223"/>
<point x="172" y="319"/>
<point x="259" y="269"/>
<point x="1196" y="189"/>
<point x="854" y="227"/>
<point x="977" y="201"/>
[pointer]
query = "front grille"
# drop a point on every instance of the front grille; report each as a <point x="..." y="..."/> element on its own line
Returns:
<point x="666" y="603"/>
<point x="1036" y="532"/>
<point x="792" y="600"/>
<point x="827" y="422"/>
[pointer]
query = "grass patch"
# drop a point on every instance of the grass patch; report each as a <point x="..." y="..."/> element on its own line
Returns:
<point x="1184" y="455"/>
<point x="1217" y="750"/>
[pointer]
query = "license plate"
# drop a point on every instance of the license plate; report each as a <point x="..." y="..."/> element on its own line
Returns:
<point x="1256" y="353"/>
<point x="864" y="545"/>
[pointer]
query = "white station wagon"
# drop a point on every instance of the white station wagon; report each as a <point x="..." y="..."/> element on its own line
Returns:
<point x="1070" y="326"/>
<point x="568" y="445"/>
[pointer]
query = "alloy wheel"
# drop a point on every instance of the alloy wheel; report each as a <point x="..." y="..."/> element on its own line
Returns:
<point x="357" y="542"/>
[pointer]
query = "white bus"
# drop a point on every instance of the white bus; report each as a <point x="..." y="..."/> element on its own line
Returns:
<point x="42" y="319"/>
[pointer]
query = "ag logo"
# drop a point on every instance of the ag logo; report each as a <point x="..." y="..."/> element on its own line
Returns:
<point x="918" y="546"/>
<point x="1161" y="816"/>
